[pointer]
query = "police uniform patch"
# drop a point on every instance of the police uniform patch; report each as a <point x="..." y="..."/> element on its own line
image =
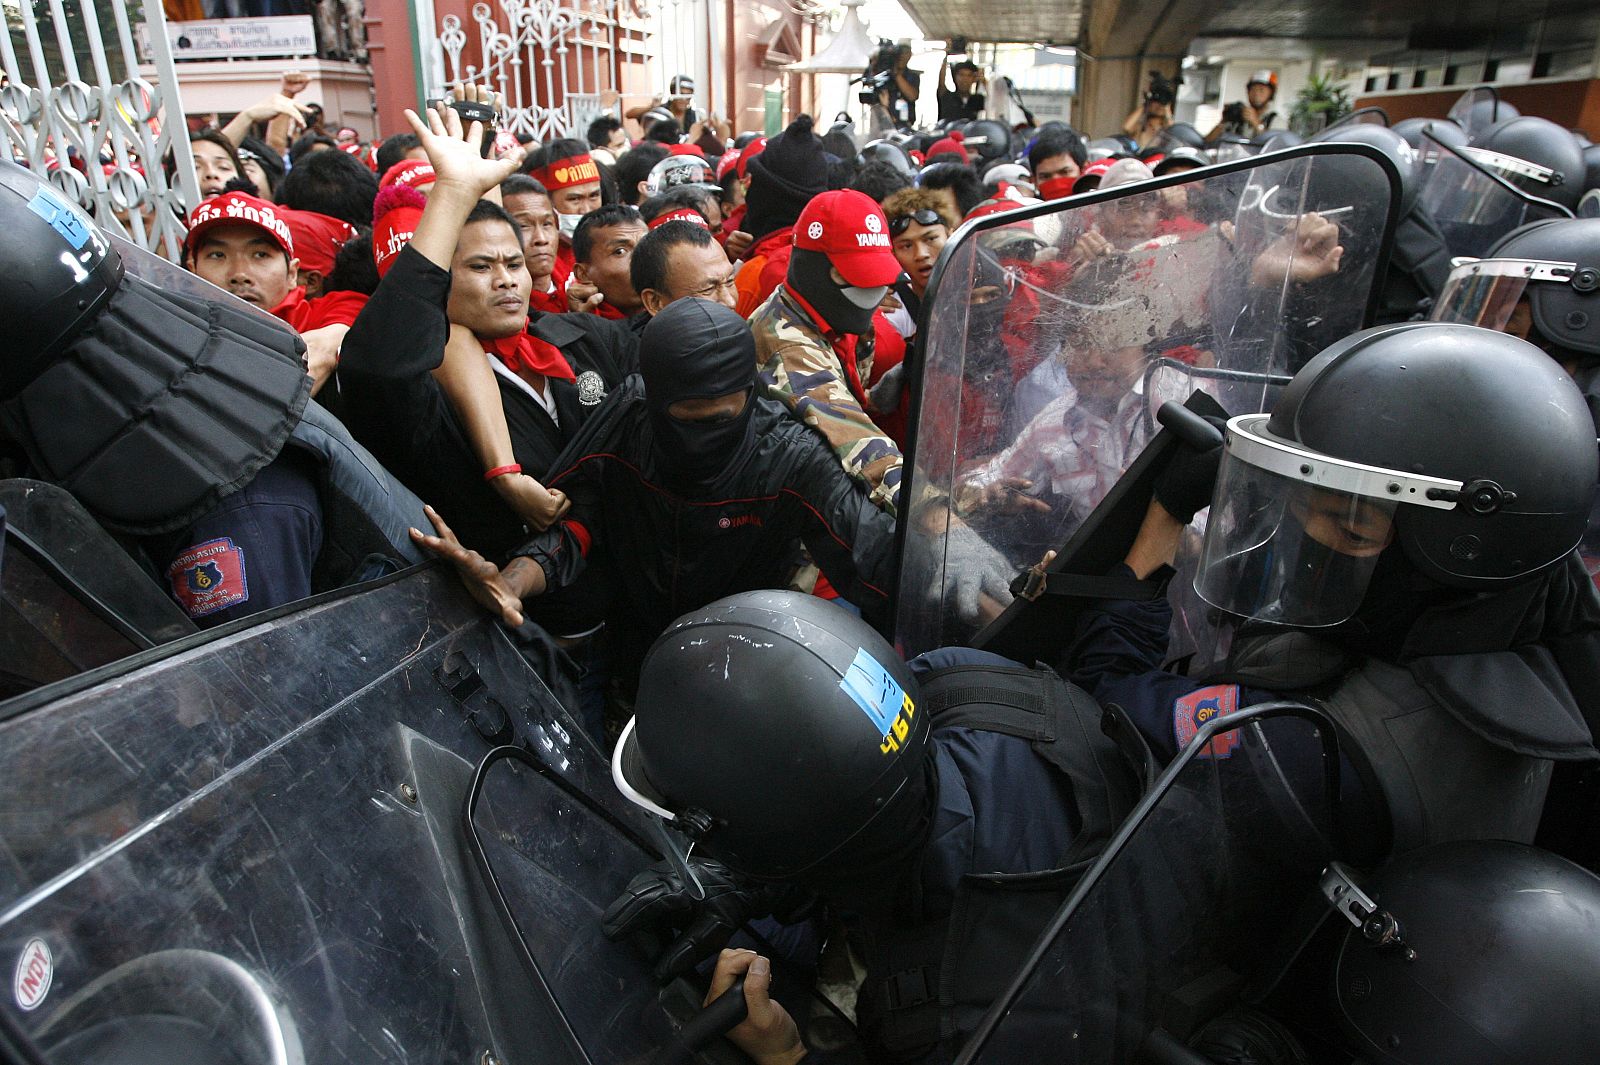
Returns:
<point x="209" y="577"/>
<point x="1198" y="707"/>
<point x="591" y="388"/>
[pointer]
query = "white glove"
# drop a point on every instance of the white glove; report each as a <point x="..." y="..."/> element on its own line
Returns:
<point x="973" y="570"/>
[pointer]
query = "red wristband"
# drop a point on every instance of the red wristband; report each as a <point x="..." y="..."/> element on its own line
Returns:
<point x="501" y="471"/>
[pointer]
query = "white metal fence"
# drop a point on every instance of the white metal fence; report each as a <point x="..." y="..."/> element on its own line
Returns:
<point x="79" y="111"/>
<point x="554" y="61"/>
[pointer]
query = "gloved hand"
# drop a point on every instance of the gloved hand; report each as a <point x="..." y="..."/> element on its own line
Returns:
<point x="658" y="901"/>
<point x="1185" y="485"/>
<point x="976" y="571"/>
<point x="885" y="395"/>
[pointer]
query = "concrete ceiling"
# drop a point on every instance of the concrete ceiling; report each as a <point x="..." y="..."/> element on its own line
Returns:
<point x="1462" y="25"/>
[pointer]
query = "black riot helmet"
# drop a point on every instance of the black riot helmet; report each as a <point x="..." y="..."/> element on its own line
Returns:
<point x="1555" y="264"/>
<point x="1387" y="141"/>
<point x="1410" y="129"/>
<point x="1591" y="167"/>
<point x="1534" y="154"/>
<point x="881" y="151"/>
<point x="1470" y="449"/>
<point x="1476" y="952"/>
<point x="60" y="271"/>
<point x="781" y="732"/>
<point x="1181" y="135"/>
<point x="149" y="394"/>
<point x="987" y="138"/>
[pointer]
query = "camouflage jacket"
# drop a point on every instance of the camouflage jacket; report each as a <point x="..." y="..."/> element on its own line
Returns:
<point x="806" y="371"/>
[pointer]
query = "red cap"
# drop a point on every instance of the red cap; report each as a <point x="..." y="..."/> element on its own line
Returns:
<point x="240" y="209"/>
<point x="850" y="229"/>
<point x="727" y="161"/>
<point x="317" y="238"/>
<point x="682" y="214"/>
<point x="1096" y="169"/>
<point x="686" y="149"/>
<point x="751" y="150"/>
<point x="949" y="144"/>
<point x="413" y="173"/>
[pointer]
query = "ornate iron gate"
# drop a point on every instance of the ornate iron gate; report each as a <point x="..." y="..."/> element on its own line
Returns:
<point x="102" y="139"/>
<point x="556" y="62"/>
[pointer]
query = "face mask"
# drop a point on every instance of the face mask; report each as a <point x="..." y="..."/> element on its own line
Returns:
<point x="1057" y="188"/>
<point x="866" y="298"/>
<point x="692" y="349"/>
<point x="568" y="224"/>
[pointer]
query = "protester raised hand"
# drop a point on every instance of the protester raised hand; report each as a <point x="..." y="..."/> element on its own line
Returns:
<point x="454" y="152"/>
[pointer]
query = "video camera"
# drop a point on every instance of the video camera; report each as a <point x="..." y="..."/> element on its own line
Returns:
<point x="1162" y="90"/>
<point x="1233" y="113"/>
<point x="879" y="73"/>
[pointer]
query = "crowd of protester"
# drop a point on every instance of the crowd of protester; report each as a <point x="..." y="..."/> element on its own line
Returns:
<point x="498" y="321"/>
<point x="638" y="371"/>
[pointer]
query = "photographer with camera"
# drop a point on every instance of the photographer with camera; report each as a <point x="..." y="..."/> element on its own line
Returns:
<point x="1152" y="117"/>
<point x="964" y="103"/>
<point x="889" y="84"/>
<point x="1249" y="117"/>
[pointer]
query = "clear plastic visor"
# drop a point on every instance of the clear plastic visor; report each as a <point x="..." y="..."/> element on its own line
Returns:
<point x="1294" y="536"/>
<point x="1485" y="292"/>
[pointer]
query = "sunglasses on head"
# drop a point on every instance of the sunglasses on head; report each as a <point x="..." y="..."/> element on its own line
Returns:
<point x="922" y="216"/>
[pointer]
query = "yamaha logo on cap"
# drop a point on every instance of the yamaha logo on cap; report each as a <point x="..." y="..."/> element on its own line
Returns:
<point x="873" y="225"/>
<point x="814" y="231"/>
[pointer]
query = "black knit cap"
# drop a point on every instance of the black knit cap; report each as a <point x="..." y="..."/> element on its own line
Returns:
<point x="783" y="178"/>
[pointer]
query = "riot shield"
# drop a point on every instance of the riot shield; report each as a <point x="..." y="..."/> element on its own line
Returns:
<point x="1184" y="914"/>
<point x="1473" y="206"/>
<point x="1477" y="109"/>
<point x="251" y="843"/>
<point x="1041" y="379"/>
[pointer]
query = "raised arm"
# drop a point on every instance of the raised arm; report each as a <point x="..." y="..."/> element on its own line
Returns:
<point x="462" y="177"/>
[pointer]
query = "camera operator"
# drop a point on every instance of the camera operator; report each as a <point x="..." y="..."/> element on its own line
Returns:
<point x="1249" y="117"/>
<point x="965" y="102"/>
<point x="1151" y="118"/>
<point x="892" y="85"/>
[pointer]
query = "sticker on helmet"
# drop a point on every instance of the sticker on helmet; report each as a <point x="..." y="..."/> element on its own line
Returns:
<point x="61" y="218"/>
<point x="31" y="982"/>
<point x="881" y="698"/>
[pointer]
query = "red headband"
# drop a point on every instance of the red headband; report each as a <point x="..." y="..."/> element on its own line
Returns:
<point x="682" y="214"/>
<point x="565" y="173"/>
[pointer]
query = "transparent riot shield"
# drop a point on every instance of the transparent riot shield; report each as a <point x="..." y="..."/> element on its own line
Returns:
<point x="1042" y="375"/>
<point x="1186" y="913"/>
<point x="1473" y="206"/>
<point x="1477" y="110"/>
<point x="251" y="844"/>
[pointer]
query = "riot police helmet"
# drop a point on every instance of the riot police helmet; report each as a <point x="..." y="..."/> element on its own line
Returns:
<point x="881" y="151"/>
<point x="61" y="272"/>
<point x="780" y="732"/>
<point x="987" y="139"/>
<point x="1182" y="135"/>
<point x="1469" y="450"/>
<point x="1387" y="141"/>
<point x="1410" y="129"/>
<point x="1554" y="265"/>
<point x="1470" y="953"/>
<point x="1276" y="140"/>
<point x="144" y="391"/>
<point x="1534" y="154"/>
<point x="1591" y="167"/>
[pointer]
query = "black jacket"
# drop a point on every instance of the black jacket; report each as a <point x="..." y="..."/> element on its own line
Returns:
<point x="394" y="406"/>
<point x="675" y="552"/>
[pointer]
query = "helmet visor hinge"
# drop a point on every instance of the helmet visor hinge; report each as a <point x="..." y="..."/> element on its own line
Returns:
<point x="1377" y="927"/>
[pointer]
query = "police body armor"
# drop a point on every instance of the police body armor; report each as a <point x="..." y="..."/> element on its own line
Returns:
<point x="366" y="512"/>
<point x="1439" y="779"/>
<point x="930" y="983"/>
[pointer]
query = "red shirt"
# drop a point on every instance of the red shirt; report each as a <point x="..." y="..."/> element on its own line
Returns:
<point x="304" y="315"/>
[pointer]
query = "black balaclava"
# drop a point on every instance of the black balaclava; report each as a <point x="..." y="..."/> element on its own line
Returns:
<point x="783" y="178"/>
<point x="693" y="349"/>
<point x="810" y="275"/>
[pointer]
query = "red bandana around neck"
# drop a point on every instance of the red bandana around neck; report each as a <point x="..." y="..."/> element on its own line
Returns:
<point x="527" y="352"/>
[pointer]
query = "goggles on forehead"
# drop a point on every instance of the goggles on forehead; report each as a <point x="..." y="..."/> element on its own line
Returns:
<point x="922" y="216"/>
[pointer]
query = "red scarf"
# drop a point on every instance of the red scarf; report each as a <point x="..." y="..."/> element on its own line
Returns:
<point x="552" y="302"/>
<point x="304" y="315"/>
<point x="528" y="353"/>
